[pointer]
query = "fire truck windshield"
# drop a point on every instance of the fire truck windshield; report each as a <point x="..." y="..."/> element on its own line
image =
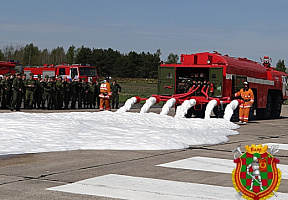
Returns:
<point x="87" y="71"/>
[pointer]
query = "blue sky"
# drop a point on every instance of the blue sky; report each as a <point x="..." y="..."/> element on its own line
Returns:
<point x="246" y="28"/>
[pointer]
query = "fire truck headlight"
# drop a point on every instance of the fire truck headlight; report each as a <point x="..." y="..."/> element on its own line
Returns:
<point x="208" y="61"/>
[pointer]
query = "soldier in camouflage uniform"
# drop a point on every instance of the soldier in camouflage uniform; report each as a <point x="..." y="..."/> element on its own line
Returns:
<point x="49" y="92"/>
<point x="46" y="92"/>
<point x="10" y="77"/>
<point x="66" y="94"/>
<point x="73" y="92"/>
<point x="115" y="89"/>
<point x="30" y="86"/>
<point x="97" y="92"/>
<point x="85" y="93"/>
<point x="39" y="91"/>
<point x="91" y="94"/>
<point x="59" y="92"/>
<point x="10" y="92"/>
<point x="79" y="91"/>
<point x="5" y="91"/>
<point x="24" y="91"/>
<point x="53" y="92"/>
<point x="17" y="92"/>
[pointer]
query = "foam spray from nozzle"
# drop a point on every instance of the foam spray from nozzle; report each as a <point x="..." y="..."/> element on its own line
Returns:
<point x="211" y="104"/>
<point x="183" y="109"/>
<point x="128" y="104"/>
<point x="167" y="106"/>
<point x="230" y="108"/>
<point x="149" y="102"/>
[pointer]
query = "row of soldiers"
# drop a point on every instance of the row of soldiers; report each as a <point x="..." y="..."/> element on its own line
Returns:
<point x="49" y="93"/>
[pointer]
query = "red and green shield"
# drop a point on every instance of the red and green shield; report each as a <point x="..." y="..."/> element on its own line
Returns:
<point x="270" y="176"/>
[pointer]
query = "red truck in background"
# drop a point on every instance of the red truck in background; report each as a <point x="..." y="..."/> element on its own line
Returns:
<point x="11" y="67"/>
<point x="76" y="70"/>
<point x="86" y="71"/>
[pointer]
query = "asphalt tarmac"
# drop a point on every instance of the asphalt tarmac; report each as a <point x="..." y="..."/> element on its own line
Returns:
<point x="29" y="176"/>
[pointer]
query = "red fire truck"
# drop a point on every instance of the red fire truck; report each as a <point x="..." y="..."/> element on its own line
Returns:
<point x="86" y="71"/>
<point x="206" y="76"/>
<point x="10" y="67"/>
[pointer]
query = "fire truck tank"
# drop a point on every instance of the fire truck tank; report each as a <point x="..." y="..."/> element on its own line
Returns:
<point x="239" y="66"/>
<point x="245" y="67"/>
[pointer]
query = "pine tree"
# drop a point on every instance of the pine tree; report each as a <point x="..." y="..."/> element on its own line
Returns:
<point x="172" y="58"/>
<point x="280" y="66"/>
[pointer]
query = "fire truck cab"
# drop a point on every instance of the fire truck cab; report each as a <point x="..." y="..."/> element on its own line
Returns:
<point x="220" y="77"/>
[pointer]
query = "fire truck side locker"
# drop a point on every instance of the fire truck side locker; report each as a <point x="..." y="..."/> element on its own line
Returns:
<point x="216" y="78"/>
<point x="166" y="81"/>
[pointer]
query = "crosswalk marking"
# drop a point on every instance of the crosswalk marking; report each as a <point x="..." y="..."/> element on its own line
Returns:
<point x="213" y="165"/>
<point x="138" y="188"/>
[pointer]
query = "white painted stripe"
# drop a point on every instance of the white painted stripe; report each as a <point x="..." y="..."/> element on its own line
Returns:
<point x="138" y="188"/>
<point x="260" y="81"/>
<point x="280" y="146"/>
<point x="213" y="165"/>
<point x="253" y="80"/>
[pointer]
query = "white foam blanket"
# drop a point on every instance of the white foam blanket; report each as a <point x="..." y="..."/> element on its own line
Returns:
<point x="44" y="132"/>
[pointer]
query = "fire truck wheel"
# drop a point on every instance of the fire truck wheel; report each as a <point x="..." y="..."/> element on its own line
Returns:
<point x="200" y="113"/>
<point x="197" y="111"/>
<point x="219" y="110"/>
<point x="276" y="107"/>
<point x="189" y="113"/>
<point x="265" y="113"/>
<point x="252" y="116"/>
<point x="235" y="116"/>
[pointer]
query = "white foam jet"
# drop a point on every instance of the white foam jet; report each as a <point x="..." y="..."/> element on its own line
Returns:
<point x="209" y="108"/>
<point x="167" y="106"/>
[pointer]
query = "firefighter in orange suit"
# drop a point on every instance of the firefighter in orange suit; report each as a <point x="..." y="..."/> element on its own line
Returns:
<point x="105" y="94"/>
<point x="247" y="97"/>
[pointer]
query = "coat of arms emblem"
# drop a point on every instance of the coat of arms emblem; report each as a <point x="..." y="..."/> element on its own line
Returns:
<point x="256" y="175"/>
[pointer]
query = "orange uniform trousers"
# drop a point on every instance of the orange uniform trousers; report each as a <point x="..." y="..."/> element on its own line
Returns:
<point x="104" y="101"/>
<point x="244" y="112"/>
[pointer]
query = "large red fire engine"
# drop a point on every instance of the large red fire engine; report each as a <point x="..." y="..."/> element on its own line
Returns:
<point x="76" y="70"/>
<point x="86" y="71"/>
<point x="10" y="67"/>
<point x="206" y="76"/>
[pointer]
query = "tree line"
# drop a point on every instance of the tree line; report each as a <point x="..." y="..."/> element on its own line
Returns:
<point x="109" y="62"/>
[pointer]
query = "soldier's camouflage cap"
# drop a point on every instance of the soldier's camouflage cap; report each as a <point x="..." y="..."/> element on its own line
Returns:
<point x="39" y="75"/>
<point x="31" y="74"/>
<point x="46" y="76"/>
